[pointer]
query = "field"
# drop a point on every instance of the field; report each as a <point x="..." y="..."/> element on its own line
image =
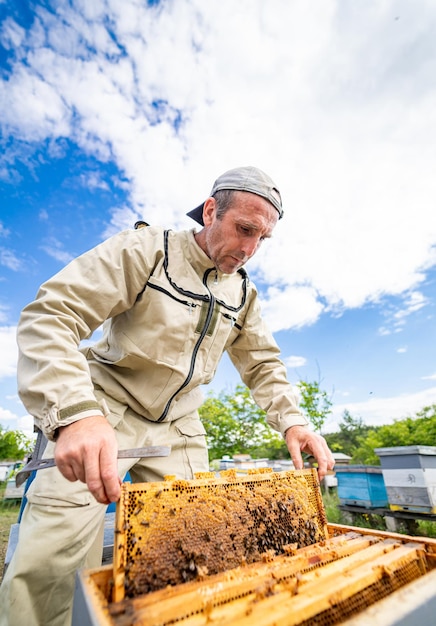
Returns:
<point x="336" y="516"/>
<point x="8" y="515"/>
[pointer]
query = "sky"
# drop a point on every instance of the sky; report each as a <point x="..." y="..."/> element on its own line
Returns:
<point x="118" y="110"/>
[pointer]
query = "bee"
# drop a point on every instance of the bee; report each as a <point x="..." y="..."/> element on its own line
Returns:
<point x="138" y="508"/>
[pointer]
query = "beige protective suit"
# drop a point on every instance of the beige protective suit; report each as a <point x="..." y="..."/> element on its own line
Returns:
<point x="167" y="317"/>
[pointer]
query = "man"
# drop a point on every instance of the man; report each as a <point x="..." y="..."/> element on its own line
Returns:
<point x="170" y="304"/>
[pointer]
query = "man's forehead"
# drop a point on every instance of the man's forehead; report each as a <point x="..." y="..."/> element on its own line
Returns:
<point x="255" y="221"/>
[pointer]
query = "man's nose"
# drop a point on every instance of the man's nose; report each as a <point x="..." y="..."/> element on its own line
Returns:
<point x="250" y="246"/>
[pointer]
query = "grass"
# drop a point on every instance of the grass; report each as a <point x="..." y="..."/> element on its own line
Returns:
<point x="365" y="520"/>
<point x="8" y="515"/>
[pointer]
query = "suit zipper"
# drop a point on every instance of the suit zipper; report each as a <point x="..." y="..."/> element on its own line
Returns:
<point x="191" y="305"/>
<point x="194" y="352"/>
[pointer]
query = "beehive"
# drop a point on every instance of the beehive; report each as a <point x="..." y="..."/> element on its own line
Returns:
<point x="409" y="473"/>
<point x="243" y="550"/>
<point x="361" y="485"/>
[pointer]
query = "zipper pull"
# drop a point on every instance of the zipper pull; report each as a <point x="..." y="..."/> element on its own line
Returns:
<point x="229" y="317"/>
<point x="215" y="282"/>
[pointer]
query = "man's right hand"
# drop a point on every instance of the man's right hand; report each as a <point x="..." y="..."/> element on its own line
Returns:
<point x="87" y="450"/>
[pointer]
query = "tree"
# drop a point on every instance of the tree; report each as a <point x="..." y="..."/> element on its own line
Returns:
<point x="236" y="425"/>
<point x="427" y="411"/>
<point x="352" y="431"/>
<point x="406" y="432"/>
<point x="314" y="402"/>
<point x="14" y="445"/>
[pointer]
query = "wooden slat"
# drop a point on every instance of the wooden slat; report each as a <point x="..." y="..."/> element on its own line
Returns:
<point x="284" y="610"/>
<point x="120" y="548"/>
<point x="414" y="603"/>
<point x="95" y="586"/>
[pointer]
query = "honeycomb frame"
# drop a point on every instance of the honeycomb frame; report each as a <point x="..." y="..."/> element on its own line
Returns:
<point x="177" y="531"/>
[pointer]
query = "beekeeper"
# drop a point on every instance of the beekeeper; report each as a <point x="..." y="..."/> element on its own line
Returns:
<point x="171" y="303"/>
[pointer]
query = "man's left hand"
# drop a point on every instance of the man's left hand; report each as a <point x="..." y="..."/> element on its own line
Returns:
<point x="300" y="439"/>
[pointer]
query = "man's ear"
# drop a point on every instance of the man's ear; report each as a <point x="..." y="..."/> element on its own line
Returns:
<point x="209" y="211"/>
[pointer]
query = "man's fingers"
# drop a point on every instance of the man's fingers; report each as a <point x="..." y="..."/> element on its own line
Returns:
<point x="90" y="474"/>
<point x="300" y="439"/>
<point x="295" y="452"/>
<point x="67" y="471"/>
<point x="86" y="450"/>
<point x="318" y="451"/>
<point x="101" y="475"/>
<point x="91" y="471"/>
<point x="109" y="474"/>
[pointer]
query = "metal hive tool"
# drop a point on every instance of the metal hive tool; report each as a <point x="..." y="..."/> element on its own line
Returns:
<point x="177" y="531"/>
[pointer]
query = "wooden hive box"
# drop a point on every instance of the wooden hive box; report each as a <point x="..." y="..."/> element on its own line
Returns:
<point x="361" y="485"/>
<point x="246" y="550"/>
<point x="409" y="474"/>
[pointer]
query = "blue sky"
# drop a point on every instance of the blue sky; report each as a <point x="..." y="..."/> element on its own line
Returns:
<point x="115" y="110"/>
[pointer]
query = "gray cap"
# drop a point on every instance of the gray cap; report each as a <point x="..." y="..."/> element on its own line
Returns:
<point x="248" y="178"/>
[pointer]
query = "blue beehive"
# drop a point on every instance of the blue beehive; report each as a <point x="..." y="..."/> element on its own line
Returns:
<point x="362" y="485"/>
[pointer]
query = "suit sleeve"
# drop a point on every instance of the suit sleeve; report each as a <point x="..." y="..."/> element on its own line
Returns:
<point x="54" y="382"/>
<point x="255" y="355"/>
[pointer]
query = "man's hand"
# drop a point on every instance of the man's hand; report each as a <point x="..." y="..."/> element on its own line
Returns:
<point x="87" y="450"/>
<point x="300" y="439"/>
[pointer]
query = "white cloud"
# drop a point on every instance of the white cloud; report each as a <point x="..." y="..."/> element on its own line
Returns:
<point x="11" y="34"/>
<point x="337" y="104"/>
<point x="122" y="218"/>
<point x="12" y="421"/>
<point x="36" y="118"/>
<point x="402" y="350"/>
<point x="290" y="307"/>
<point x="396" y="317"/>
<point x="4" y="312"/>
<point x="54" y="249"/>
<point x="4" y="232"/>
<point x="8" y="350"/>
<point x="93" y="180"/>
<point x="413" y="302"/>
<point x="294" y="361"/>
<point x="431" y="377"/>
<point x="379" y="411"/>
<point x="9" y="259"/>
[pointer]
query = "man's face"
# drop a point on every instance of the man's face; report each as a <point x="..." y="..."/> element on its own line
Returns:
<point x="232" y="240"/>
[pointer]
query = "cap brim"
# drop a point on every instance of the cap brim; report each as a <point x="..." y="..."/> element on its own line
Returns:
<point x="197" y="214"/>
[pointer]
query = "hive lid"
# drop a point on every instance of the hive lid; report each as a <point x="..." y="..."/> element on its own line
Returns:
<point x="171" y="532"/>
<point x="359" y="469"/>
<point x="400" y="450"/>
